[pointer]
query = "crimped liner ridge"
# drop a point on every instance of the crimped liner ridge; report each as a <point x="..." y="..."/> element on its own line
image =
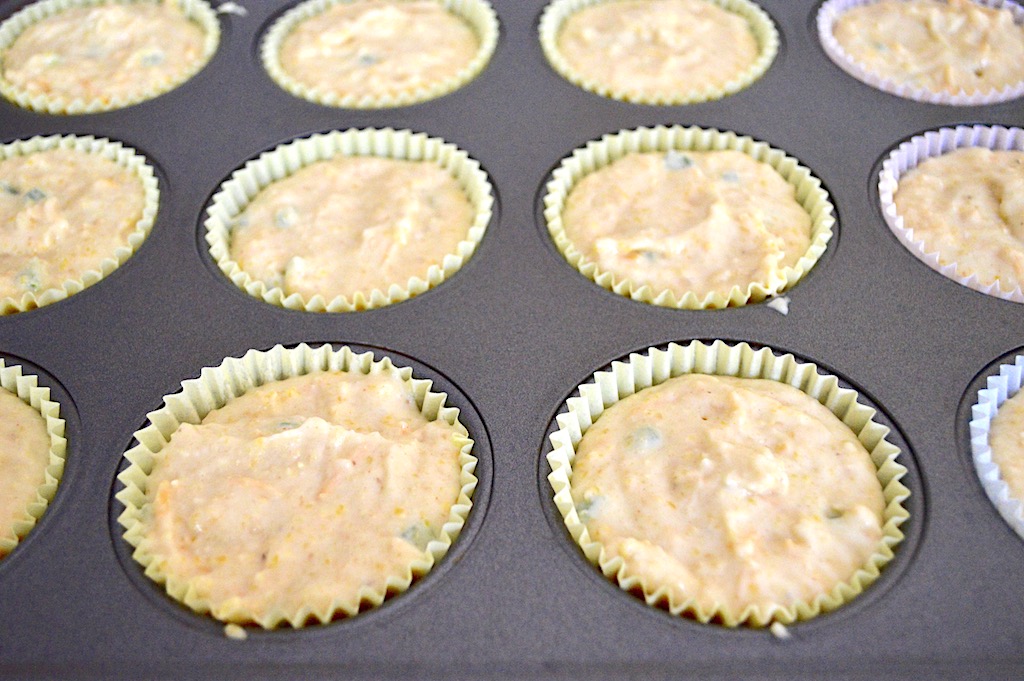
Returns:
<point x="26" y="387"/>
<point x="236" y="194"/>
<point x="215" y="387"/>
<point x="998" y="389"/>
<point x="760" y="23"/>
<point x="198" y="11"/>
<point x="598" y="154"/>
<point x="124" y="156"/>
<point x="831" y="10"/>
<point x="479" y="14"/>
<point x="915" y="151"/>
<point x="657" y="366"/>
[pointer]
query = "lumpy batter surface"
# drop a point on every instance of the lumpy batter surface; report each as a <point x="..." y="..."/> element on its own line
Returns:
<point x="302" y="492"/>
<point x="688" y="221"/>
<point x="351" y="224"/>
<point x="105" y="52"/>
<point x="24" y="456"/>
<point x="968" y="205"/>
<point x="372" y="48"/>
<point x="657" y="47"/>
<point x="937" y="46"/>
<point x="733" y="492"/>
<point x="62" y="212"/>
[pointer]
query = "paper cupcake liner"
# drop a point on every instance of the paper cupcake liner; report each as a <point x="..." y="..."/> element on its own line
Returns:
<point x="998" y="389"/>
<point x="215" y="387"/>
<point x="760" y="24"/>
<point x="26" y="387"/>
<point x="610" y="148"/>
<point x="912" y="153"/>
<point x="198" y="11"/>
<point x="271" y="166"/>
<point x="657" y="366"/>
<point x="126" y="157"/>
<point x="831" y="10"/>
<point x="477" y="13"/>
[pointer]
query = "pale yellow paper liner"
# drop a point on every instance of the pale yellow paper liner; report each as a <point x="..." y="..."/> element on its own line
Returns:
<point x="126" y="157"/>
<point x="601" y="153"/>
<point x="198" y="11"/>
<point x="215" y="387"/>
<point x="830" y="12"/>
<point x="238" y="192"/>
<point x="27" y="389"/>
<point x="657" y="366"/>
<point x="760" y="25"/>
<point x="478" y="14"/>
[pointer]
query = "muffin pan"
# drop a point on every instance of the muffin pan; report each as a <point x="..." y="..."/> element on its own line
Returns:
<point x="509" y="337"/>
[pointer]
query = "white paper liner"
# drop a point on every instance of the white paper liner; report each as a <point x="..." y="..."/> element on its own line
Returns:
<point x="215" y="387"/>
<point x="998" y="389"/>
<point x="26" y="387"/>
<point x="761" y="26"/>
<point x="599" y="154"/>
<point x="912" y="153"/>
<point x="199" y="11"/>
<point x="657" y="366"/>
<point x="126" y="157"/>
<point x="236" y="194"/>
<point x="832" y="9"/>
<point x="477" y="13"/>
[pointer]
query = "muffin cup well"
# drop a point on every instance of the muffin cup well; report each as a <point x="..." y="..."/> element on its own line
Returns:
<point x="912" y="153"/>
<point x="26" y="387"/>
<point x="215" y="387"/>
<point x="760" y="23"/>
<point x="599" y="154"/>
<point x="123" y="156"/>
<point x="999" y="388"/>
<point x="831" y="10"/>
<point x="657" y="366"/>
<point x="478" y="14"/>
<point x="199" y="11"/>
<point x="271" y="166"/>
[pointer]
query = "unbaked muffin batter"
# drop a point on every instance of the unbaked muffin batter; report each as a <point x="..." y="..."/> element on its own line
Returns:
<point x="733" y="492"/>
<point x="351" y="224"/>
<point x="62" y="212"/>
<point x="1006" y="439"/>
<point x="658" y="47"/>
<point x="24" y="456"/>
<point x="968" y="205"/>
<point x="301" y="493"/>
<point x="936" y="46"/>
<point x="105" y="51"/>
<point x="372" y="48"/>
<point x="688" y="221"/>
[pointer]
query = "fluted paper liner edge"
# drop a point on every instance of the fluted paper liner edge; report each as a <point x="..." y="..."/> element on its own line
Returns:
<point x="26" y="387"/>
<point x="601" y="153"/>
<point x="718" y="358"/>
<point x="998" y="388"/>
<point x="124" y="156"/>
<point x="760" y="23"/>
<point x="237" y="192"/>
<point x="478" y="14"/>
<point x="831" y="10"/>
<point x="199" y="11"/>
<point x="912" y="153"/>
<point x="217" y="386"/>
